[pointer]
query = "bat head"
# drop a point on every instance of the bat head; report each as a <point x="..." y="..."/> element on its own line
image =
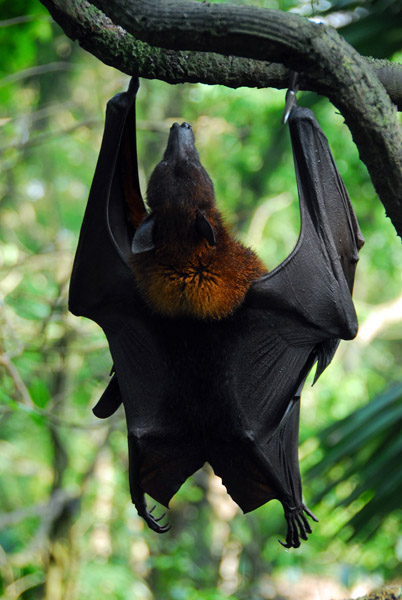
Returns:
<point x="180" y="192"/>
<point x="180" y="181"/>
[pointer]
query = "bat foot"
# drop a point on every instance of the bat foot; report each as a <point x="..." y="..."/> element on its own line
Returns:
<point x="152" y="521"/>
<point x="298" y="526"/>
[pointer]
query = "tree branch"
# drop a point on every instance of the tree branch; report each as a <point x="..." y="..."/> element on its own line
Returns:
<point x="327" y="64"/>
<point x="97" y="34"/>
<point x="23" y="394"/>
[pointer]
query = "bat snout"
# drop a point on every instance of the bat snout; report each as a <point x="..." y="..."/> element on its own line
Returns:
<point x="183" y="125"/>
<point x="180" y="144"/>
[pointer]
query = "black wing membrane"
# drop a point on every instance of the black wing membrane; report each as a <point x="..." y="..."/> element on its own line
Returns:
<point x="101" y="278"/>
<point x="315" y="282"/>
<point x="293" y="316"/>
<point x="102" y="286"/>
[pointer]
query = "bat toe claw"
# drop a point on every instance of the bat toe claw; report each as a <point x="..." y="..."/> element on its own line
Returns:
<point x="155" y="526"/>
<point x="160" y="518"/>
<point x="298" y="526"/>
<point x="309" y="513"/>
<point x="153" y="522"/>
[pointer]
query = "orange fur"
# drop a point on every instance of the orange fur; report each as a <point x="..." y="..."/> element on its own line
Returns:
<point x="197" y="280"/>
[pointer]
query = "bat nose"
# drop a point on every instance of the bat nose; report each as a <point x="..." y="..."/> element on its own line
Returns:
<point x="181" y="143"/>
<point x="183" y="125"/>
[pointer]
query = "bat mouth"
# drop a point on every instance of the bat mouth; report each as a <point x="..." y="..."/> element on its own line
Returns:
<point x="181" y="144"/>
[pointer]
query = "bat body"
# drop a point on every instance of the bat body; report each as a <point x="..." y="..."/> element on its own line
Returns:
<point x="210" y="351"/>
<point x="184" y="260"/>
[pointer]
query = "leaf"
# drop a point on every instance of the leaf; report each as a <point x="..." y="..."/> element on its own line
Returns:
<point x="370" y="440"/>
<point x="39" y="393"/>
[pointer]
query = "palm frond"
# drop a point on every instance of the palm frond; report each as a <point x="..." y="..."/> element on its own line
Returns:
<point x="367" y="446"/>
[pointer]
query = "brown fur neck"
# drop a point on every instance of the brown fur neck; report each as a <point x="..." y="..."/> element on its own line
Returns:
<point x="186" y="276"/>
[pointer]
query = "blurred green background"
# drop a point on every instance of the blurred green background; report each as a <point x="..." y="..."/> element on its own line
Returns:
<point x="68" y="530"/>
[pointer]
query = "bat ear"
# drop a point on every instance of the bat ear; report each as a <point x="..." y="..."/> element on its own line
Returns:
<point x="143" y="239"/>
<point x="109" y="401"/>
<point x="204" y="228"/>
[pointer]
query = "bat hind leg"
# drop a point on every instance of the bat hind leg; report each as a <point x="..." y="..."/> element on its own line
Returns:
<point x="298" y="525"/>
<point x="137" y="493"/>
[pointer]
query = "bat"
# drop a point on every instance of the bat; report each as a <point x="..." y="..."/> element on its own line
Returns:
<point x="210" y="350"/>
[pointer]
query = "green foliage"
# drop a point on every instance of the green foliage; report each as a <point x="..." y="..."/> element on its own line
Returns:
<point x="367" y="443"/>
<point x="373" y="27"/>
<point x="67" y="527"/>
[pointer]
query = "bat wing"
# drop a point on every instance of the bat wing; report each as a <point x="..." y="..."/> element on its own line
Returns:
<point x="292" y="317"/>
<point x="102" y="286"/>
<point x="315" y="282"/>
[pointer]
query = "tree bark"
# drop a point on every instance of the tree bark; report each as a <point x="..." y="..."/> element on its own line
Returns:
<point x="110" y="43"/>
<point x="387" y="593"/>
<point x="196" y="35"/>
